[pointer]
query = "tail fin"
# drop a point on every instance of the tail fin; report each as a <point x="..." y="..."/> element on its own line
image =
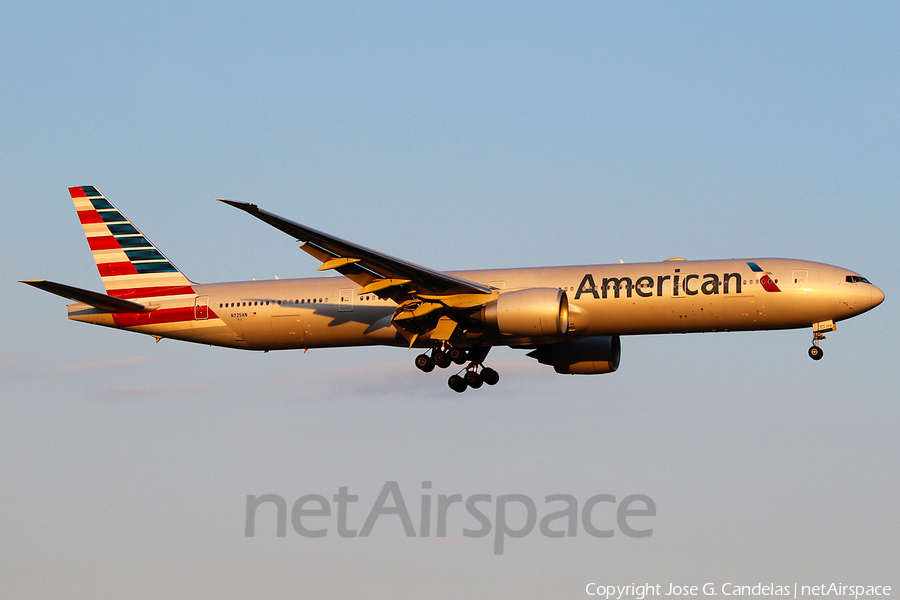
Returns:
<point x="129" y="264"/>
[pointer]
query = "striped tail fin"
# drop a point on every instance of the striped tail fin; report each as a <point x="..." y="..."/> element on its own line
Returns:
<point x="129" y="264"/>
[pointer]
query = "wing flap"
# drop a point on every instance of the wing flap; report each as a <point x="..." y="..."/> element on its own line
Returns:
<point x="334" y="263"/>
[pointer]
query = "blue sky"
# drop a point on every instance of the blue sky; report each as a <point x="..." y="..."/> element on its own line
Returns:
<point x="455" y="136"/>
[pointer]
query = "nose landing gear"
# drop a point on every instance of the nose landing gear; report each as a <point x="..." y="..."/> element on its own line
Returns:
<point x="815" y="352"/>
<point x="819" y="330"/>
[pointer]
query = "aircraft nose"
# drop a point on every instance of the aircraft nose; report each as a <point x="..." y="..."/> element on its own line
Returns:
<point x="877" y="296"/>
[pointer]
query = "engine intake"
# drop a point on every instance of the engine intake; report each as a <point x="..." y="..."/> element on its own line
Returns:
<point x="529" y="312"/>
<point x="587" y="356"/>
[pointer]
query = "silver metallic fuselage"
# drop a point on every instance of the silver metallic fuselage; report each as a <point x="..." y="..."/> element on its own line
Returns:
<point x="617" y="299"/>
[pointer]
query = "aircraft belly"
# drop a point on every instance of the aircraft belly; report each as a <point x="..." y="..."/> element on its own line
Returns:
<point x="214" y="334"/>
<point x="326" y="327"/>
<point x="257" y="331"/>
<point x="633" y="316"/>
<point x="212" y="331"/>
<point x="289" y="331"/>
<point x="337" y="328"/>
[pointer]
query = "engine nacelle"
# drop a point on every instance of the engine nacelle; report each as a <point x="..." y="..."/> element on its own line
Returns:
<point x="587" y="356"/>
<point x="529" y="312"/>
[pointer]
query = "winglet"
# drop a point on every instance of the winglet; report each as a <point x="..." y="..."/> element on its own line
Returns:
<point x="245" y="206"/>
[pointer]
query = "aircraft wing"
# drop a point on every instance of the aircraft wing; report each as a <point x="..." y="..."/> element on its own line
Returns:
<point x="376" y="272"/>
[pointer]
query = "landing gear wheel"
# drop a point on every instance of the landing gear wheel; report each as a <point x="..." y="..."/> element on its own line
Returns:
<point x="424" y="363"/>
<point x="457" y="384"/>
<point x="441" y="358"/>
<point x="474" y="379"/>
<point x="816" y="353"/>
<point x="490" y="376"/>
<point x="456" y="355"/>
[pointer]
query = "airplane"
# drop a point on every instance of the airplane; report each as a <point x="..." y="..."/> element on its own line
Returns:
<point x="571" y="318"/>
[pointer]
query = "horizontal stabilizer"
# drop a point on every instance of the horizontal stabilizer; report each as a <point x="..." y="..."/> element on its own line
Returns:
<point x="95" y="299"/>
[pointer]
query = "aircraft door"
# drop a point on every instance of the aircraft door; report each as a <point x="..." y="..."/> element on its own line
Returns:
<point x="800" y="284"/>
<point x="201" y="308"/>
<point x="346" y="300"/>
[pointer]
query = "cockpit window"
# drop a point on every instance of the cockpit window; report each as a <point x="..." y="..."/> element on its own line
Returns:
<point x="857" y="279"/>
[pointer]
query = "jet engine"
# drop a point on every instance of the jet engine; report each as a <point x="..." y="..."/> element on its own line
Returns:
<point x="529" y="312"/>
<point x="587" y="356"/>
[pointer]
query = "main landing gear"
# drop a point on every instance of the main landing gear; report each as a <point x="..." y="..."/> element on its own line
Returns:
<point x="474" y="375"/>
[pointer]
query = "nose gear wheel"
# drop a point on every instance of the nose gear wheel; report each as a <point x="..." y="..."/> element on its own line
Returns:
<point x="815" y="352"/>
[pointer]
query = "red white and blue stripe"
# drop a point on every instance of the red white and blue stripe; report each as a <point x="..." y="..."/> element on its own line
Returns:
<point x="129" y="264"/>
<point x="132" y="268"/>
<point x="765" y="279"/>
